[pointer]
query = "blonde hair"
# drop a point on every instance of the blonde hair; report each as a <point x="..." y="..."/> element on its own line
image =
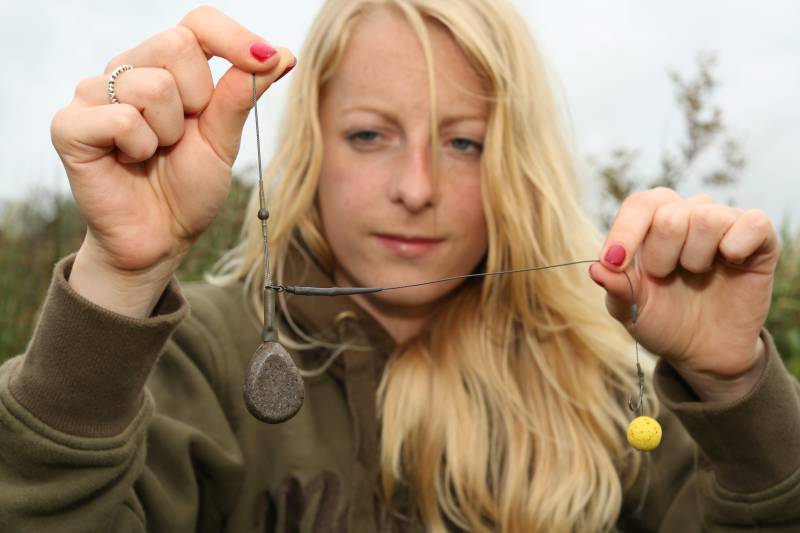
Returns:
<point x="509" y="412"/>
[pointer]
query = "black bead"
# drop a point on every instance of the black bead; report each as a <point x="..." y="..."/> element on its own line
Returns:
<point x="263" y="214"/>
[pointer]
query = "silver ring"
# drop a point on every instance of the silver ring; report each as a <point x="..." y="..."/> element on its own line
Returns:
<point x="112" y="80"/>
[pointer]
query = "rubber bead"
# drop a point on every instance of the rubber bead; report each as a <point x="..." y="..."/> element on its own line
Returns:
<point x="644" y="433"/>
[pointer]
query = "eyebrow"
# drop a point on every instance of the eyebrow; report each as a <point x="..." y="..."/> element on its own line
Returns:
<point x="369" y="109"/>
<point x="446" y="121"/>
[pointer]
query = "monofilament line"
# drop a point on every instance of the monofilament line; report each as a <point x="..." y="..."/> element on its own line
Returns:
<point x="340" y="291"/>
<point x="263" y="214"/>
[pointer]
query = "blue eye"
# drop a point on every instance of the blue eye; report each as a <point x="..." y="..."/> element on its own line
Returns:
<point x="364" y="136"/>
<point x="464" y="145"/>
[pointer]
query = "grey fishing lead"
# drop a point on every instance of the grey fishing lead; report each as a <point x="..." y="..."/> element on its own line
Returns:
<point x="273" y="388"/>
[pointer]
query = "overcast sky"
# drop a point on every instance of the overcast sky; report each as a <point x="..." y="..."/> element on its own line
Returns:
<point x="611" y="58"/>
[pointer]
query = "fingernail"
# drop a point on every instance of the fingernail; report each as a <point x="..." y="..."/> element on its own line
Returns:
<point x="616" y="255"/>
<point x="287" y="69"/>
<point x="262" y="51"/>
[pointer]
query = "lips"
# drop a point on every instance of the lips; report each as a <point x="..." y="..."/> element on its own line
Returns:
<point x="411" y="246"/>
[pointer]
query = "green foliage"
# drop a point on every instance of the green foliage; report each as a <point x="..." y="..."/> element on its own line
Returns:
<point x="784" y="313"/>
<point x="38" y="230"/>
<point x="33" y="235"/>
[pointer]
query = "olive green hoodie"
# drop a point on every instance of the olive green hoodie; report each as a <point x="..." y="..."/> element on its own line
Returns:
<point x="109" y="423"/>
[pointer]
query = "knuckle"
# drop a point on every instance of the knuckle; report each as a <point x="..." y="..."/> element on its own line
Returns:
<point x="242" y="35"/>
<point x="160" y="85"/>
<point x="732" y="255"/>
<point x="758" y="219"/>
<point x="113" y="63"/>
<point x="126" y="119"/>
<point x="85" y="87"/>
<point x="665" y="193"/>
<point x="638" y="196"/>
<point x="635" y="199"/>
<point x="201" y="11"/>
<point x="702" y="198"/>
<point x="58" y="125"/>
<point x="180" y="40"/>
<point x="707" y="217"/>
<point x="729" y="218"/>
<point x="668" y="221"/>
<point x="651" y="197"/>
<point x="204" y="9"/>
<point x="144" y="148"/>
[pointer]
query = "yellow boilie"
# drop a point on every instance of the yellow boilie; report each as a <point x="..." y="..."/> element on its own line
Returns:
<point x="644" y="433"/>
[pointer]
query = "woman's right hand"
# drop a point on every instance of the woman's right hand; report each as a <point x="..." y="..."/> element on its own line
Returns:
<point x="151" y="173"/>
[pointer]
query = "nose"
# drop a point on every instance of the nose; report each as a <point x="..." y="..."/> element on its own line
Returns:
<point x="412" y="183"/>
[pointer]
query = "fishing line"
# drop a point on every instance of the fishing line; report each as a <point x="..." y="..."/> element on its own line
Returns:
<point x="273" y="388"/>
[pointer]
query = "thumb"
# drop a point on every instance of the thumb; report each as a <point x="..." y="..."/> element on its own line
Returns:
<point x="620" y="292"/>
<point x="222" y="120"/>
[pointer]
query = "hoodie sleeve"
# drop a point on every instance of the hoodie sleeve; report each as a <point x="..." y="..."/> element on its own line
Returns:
<point x="82" y="445"/>
<point x="731" y="466"/>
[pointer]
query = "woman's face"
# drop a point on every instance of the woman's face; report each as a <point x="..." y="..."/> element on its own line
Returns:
<point x="385" y="219"/>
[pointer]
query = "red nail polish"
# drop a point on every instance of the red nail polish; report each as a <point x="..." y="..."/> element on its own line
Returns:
<point x="616" y="255"/>
<point x="286" y="70"/>
<point x="262" y="51"/>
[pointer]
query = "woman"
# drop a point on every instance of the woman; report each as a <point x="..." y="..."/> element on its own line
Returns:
<point x="420" y="142"/>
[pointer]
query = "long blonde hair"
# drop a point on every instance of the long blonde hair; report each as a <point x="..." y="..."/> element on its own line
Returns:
<point x="509" y="411"/>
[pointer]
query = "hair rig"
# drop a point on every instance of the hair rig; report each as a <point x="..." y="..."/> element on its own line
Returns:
<point x="273" y="386"/>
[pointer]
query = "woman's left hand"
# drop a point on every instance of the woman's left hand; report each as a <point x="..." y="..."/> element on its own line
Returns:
<point x="702" y="280"/>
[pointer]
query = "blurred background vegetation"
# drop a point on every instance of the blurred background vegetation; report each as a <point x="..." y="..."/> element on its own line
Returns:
<point x="708" y="159"/>
<point x="37" y="231"/>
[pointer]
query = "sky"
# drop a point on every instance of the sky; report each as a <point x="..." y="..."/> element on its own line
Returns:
<point x="609" y="59"/>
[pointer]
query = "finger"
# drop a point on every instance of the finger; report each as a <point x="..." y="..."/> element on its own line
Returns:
<point x="631" y="225"/>
<point x="700" y="199"/>
<point x="84" y="134"/>
<point x="751" y="235"/>
<point x="621" y="293"/>
<point x="184" y="51"/>
<point x="221" y="36"/>
<point x="662" y="246"/>
<point x="222" y="122"/>
<point x="150" y="90"/>
<point x="707" y="224"/>
<point x="177" y="51"/>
